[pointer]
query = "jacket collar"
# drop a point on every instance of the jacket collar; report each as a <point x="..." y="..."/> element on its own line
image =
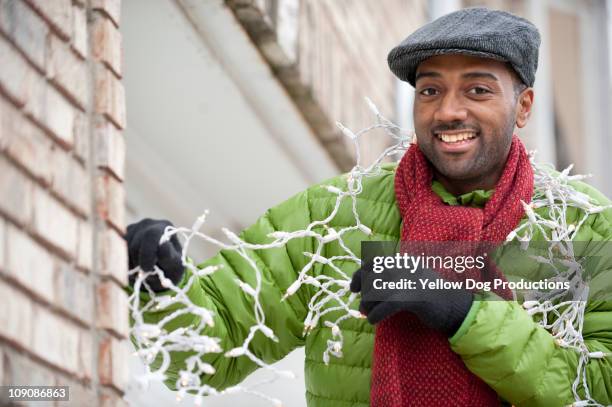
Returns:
<point x="477" y="198"/>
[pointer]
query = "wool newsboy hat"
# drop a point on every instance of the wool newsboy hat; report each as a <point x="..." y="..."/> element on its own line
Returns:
<point x="478" y="32"/>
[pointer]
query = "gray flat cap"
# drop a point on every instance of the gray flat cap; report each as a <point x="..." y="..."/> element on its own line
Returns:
<point x="479" y="32"/>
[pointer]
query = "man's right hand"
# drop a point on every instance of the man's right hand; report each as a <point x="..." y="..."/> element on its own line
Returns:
<point x="145" y="252"/>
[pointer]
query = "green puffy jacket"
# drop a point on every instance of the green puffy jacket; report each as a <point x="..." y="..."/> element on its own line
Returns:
<point x="498" y="340"/>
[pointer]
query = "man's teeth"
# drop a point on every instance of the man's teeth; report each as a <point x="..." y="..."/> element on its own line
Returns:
<point x="453" y="138"/>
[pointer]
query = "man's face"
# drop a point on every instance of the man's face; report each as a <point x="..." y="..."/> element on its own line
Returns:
<point x="464" y="114"/>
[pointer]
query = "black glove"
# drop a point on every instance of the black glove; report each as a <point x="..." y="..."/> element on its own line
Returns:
<point x="145" y="251"/>
<point x="443" y="310"/>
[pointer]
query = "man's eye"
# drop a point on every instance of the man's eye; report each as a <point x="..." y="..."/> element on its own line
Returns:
<point x="478" y="90"/>
<point x="429" y="92"/>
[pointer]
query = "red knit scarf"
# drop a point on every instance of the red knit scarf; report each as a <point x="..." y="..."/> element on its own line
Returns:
<point x="413" y="364"/>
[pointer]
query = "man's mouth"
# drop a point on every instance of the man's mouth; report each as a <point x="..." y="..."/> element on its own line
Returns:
<point x="456" y="141"/>
<point x="453" y="138"/>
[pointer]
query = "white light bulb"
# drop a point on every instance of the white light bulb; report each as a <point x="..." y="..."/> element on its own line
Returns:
<point x="293" y="288"/>
<point x="355" y="314"/>
<point x="235" y="352"/>
<point x="268" y="332"/>
<point x="208" y="369"/>
<point x="372" y="106"/>
<point x="333" y="189"/>
<point x="365" y="229"/>
<point x="278" y="235"/>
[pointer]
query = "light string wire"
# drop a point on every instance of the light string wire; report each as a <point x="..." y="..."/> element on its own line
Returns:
<point x="156" y="343"/>
<point x="561" y="312"/>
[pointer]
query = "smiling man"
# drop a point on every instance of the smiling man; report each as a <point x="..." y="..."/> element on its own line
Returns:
<point x="465" y="179"/>
<point x="466" y="109"/>
<point x="473" y="72"/>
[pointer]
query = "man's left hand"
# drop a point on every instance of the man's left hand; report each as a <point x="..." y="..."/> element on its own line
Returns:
<point x="443" y="310"/>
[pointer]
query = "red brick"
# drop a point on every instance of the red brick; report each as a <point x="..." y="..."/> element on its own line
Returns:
<point x="111" y="8"/>
<point x="6" y="122"/>
<point x="80" y="395"/>
<point x="71" y="182"/>
<point x="86" y="351"/>
<point x="30" y="264"/>
<point x="16" y="317"/>
<point x="112" y="310"/>
<point x="25" y="143"/>
<point x="106" y="44"/>
<point x="109" y="96"/>
<point x="54" y="113"/>
<point x="67" y="71"/>
<point x="81" y="136"/>
<point x="2" y="249"/>
<point x="27" y="30"/>
<point x="110" y="399"/>
<point x="110" y="198"/>
<point x="27" y="88"/>
<point x="112" y="369"/>
<point x="79" y="31"/>
<point x="16" y="191"/>
<point x="17" y="77"/>
<point x="113" y="258"/>
<point x="110" y="150"/>
<point x="24" y="371"/>
<point x="55" y="340"/>
<point x="85" y="246"/>
<point x="58" y="13"/>
<point x="105" y="362"/>
<point x="54" y="223"/>
<point x="73" y="292"/>
<point x="2" y="368"/>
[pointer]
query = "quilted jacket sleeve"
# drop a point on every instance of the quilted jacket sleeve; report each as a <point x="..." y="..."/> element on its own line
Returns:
<point x="501" y="343"/>
<point x="233" y="309"/>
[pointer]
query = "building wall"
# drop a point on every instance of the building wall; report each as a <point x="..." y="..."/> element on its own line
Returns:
<point x="62" y="257"/>
<point x="332" y="54"/>
<point x="343" y="58"/>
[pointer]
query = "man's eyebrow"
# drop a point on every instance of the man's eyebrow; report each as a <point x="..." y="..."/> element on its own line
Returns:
<point x="430" y="74"/>
<point x="476" y="75"/>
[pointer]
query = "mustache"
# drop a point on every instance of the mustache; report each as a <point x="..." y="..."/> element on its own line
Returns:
<point x="454" y="126"/>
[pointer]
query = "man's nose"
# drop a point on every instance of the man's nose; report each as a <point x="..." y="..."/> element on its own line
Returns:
<point x="450" y="109"/>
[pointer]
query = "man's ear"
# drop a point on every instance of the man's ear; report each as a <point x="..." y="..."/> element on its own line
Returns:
<point x="524" y="104"/>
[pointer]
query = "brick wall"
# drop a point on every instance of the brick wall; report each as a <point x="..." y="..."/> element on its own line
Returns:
<point x="343" y="47"/>
<point x="62" y="257"/>
<point x="330" y="54"/>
